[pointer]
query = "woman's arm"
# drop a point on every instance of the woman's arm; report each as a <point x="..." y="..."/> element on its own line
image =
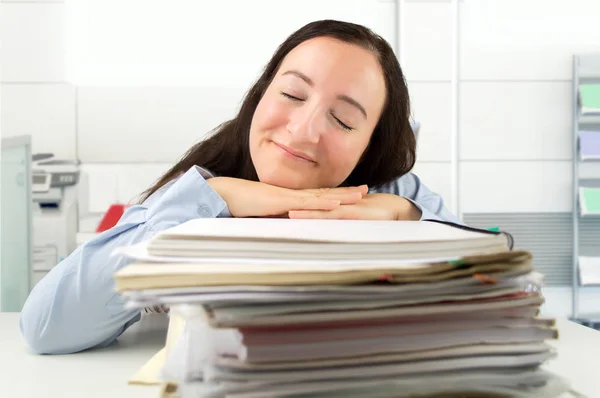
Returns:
<point x="430" y="204"/>
<point x="75" y="306"/>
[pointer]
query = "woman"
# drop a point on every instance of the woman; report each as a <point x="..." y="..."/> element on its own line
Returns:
<point x="323" y="133"/>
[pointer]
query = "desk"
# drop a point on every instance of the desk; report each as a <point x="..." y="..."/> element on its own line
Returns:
<point x="104" y="372"/>
<point x="90" y="374"/>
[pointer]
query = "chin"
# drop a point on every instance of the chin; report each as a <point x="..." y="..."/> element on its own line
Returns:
<point x="285" y="180"/>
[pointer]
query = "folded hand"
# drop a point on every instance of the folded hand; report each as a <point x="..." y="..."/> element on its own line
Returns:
<point x="377" y="206"/>
<point x="256" y="199"/>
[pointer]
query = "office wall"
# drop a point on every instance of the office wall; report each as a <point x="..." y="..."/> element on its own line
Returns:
<point x="107" y="126"/>
<point x="514" y="110"/>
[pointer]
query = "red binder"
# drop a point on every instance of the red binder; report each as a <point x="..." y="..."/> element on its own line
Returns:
<point x="112" y="217"/>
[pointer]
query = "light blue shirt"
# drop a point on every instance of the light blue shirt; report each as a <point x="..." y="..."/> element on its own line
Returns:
<point x="75" y="306"/>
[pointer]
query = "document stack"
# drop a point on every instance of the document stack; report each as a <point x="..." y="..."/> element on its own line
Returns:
<point x="332" y="308"/>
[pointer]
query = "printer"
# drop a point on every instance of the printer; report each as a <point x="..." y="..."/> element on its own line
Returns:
<point x="55" y="211"/>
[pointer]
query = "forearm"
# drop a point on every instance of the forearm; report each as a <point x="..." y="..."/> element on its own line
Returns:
<point x="75" y="306"/>
<point x="407" y="210"/>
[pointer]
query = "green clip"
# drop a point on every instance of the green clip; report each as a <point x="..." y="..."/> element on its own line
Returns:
<point x="457" y="262"/>
<point x="494" y="229"/>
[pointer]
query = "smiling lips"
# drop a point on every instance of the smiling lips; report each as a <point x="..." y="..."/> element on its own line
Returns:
<point x="296" y="155"/>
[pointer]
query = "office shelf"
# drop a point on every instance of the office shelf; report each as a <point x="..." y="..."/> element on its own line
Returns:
<point x="586" y="173"/>
<point x="589" y="170"/>
<point x="590" y="120"/>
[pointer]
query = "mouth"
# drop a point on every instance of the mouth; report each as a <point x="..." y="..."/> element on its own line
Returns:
<point x="296" y="155"/>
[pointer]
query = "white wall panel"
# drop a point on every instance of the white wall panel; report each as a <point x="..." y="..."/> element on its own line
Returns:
<point x="105" y="184"/>
<point x="149" y="124"/>
<point x="515" y="186"/>
<point x="33" y="42"/>
<point x="437" y="176"/>
<point x="133" y="179"/>
<point x="431" y="106"/>
<point x="44" y="111"/>
<point x="377" y="15"/>
<point x="219" y="42"/>
<point x="32" y="1"/>
<point x="426" y="40"/>
<point x="515" y="120"/>
<point x="558" y="301"/>
<point x="533" y="39"/>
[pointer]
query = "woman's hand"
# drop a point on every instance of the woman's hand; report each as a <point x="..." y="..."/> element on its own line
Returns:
<point x="256" y="199"/>
<point x="377" y="206"/>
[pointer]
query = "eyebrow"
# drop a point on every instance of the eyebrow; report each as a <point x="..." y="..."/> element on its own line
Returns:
<point x="353" y="102"/>
<point x="342" y="97"/>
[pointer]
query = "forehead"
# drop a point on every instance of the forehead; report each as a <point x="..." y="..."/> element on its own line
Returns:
<point x="332" y="63"/>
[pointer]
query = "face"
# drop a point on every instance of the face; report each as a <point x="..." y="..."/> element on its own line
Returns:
<point x="317" y="116"/>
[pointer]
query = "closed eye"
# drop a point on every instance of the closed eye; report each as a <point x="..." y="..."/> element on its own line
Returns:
<point x="289" y="96"/>
<point x="342" y="124"/>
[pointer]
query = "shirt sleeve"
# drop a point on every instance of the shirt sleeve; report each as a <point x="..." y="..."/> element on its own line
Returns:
<point x="430" y="204"/>
<point x="75" y="306"/>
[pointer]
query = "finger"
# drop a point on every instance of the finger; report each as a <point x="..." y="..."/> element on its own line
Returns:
<point x="313" y="214"/>
<point x="345" y="197"/>
<point x="313" y="203"/>
<point x="363" y="189"/>
<point x="341" y="213"/>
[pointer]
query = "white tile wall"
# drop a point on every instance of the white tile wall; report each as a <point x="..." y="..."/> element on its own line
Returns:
<point x="33" y="42"/>
<point x="515" y="120"/>
<point x="105" y="184"/>
<point x="44" y="111"/>
<point x="525" y="40"/>
<point x="32" y="1"/>
<point x="378" y="15"/>
<point x="136" y="178"/>
<point x="515" y="186"/>
<point x="248" y="33"/>
<point x="426" y="40"/>
<point x="437" y="177"/>
<point x="558" y="301"/>
<point x="149" y="124"/>
<point x="432" y="107"/>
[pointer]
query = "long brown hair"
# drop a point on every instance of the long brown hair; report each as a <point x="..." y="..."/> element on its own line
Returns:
<point x="391" y="151"/>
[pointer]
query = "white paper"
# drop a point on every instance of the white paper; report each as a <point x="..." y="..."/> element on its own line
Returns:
<point x="346" y="231"/>
<point x="382" y="370"/>
<point x="140" y="252"/>
<point x="589" y="270"/>
<point x="504" y="279"/>
<point x="470" y="349"/>
<point x="526" y="306"/>
<point x="231" y="310"/>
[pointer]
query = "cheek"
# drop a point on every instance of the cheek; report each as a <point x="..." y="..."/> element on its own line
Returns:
<point x="270" y="114"/>
<point x="269" y="117"/>
<point x="343" y="152"/>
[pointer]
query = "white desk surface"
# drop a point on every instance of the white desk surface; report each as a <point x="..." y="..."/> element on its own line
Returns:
<point x="104" y="372"/>
<point x="92" y="373"/>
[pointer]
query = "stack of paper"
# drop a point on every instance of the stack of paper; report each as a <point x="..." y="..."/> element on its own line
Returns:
<point x="332" y="308"/>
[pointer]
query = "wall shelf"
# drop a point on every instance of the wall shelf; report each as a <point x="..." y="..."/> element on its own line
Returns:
<point x="588" y="119"/>
<point x="586" y="173"/>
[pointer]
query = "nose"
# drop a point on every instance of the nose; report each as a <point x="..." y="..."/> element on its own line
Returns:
<point x="306" y="124"/>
